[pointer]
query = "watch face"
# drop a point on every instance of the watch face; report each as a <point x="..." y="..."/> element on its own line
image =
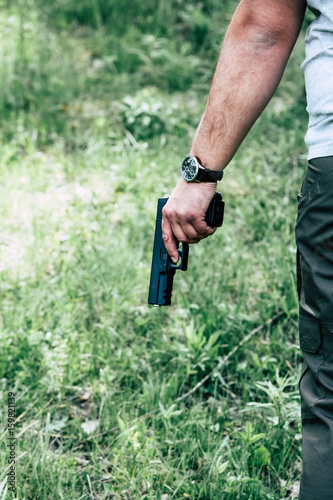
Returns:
<point x="190" y="168"/>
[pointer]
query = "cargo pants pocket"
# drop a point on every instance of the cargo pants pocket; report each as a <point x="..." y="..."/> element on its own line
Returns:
<point x="311" y="389"/>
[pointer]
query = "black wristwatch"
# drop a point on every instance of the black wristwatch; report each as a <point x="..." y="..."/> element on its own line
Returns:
<point x="193" y="171"/>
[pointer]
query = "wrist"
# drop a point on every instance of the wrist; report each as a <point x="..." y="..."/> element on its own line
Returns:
<point x="197" y="187"/>
<point x="208" y="160"/>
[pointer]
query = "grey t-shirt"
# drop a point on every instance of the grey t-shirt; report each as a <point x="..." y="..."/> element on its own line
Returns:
<point x="318" y="72"/>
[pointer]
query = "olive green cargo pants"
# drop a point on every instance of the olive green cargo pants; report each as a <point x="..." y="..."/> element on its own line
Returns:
<point x="314" y="239"/>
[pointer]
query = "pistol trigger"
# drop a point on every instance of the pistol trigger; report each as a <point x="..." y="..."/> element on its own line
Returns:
<point x="184" y="256"/>
<point x="175" y="266"/>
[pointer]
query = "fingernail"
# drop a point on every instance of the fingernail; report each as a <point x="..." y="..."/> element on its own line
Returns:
<point x="174" y="260"/>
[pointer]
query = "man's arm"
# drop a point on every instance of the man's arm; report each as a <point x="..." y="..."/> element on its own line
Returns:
<point x="255" y="51"/>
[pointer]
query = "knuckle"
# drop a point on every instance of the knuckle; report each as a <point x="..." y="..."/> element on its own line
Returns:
<point x="165" y="212"/>
<point x="170" y="215"/>
<point x="180" y="214"/>
<point x="186" y="215"/>
<point x="191" y="215"/>
<point x="202" y="229"/>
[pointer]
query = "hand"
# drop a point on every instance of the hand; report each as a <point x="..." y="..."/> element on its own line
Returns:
<point x="183" y="216"/>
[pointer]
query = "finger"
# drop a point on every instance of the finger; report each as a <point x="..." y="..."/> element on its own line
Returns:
<point x="185" y="233"/>
<point x="195" y="227"/>
<point x="202" y="228"/>
<point x="193" y="231"/>
<point x="169" y="240"/>
<point x="184" y="229"/>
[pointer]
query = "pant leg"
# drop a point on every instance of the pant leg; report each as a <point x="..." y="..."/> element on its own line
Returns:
<point x="316" y="388"/>
<point x="314" y="238"/>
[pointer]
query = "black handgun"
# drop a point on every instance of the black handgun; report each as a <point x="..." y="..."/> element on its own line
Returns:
<point x="162" y="268"/>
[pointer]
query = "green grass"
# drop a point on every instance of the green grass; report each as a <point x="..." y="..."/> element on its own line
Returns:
<point x="117" y="400"/>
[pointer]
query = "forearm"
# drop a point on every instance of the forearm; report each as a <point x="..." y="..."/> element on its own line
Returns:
<point x="250" y="67"/>
<point x="253" y="57"/>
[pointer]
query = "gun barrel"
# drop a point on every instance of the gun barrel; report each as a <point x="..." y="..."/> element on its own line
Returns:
<point x="161" y="277"/>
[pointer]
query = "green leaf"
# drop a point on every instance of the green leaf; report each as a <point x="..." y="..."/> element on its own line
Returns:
<point x="257" y="437"/>
<point x="261" y="456"/>
<point x="221" y="467"/>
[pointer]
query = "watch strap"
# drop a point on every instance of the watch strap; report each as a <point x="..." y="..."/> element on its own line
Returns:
<point x="207" y="175"/>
